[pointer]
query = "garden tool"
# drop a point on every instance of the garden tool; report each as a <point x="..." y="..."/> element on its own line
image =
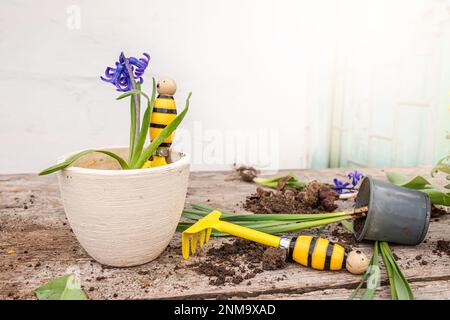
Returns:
<point x="164" y="111"/>
<point x="315" y="252"/>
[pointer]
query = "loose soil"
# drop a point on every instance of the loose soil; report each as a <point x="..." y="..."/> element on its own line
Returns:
<point x="344" y="238"/>
<point x="246" y="173"/>
<point x="437" y="212"/>
<point x="358" y="225"/>
<point x="239" y="260"/>
<point x="314" y="198"/>
<point x="442" y="246"/>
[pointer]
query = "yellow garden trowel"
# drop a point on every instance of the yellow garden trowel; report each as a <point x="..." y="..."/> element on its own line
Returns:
<point x="317" y="253"/>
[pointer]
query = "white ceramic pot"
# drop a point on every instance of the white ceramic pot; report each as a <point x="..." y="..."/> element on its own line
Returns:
<point x="123" y="217"/>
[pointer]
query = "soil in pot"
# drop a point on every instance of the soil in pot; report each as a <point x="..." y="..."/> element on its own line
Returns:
<point x="314" y="198"/>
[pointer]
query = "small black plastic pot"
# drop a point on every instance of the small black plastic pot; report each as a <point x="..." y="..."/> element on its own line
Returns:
<point x="396" y="214"/>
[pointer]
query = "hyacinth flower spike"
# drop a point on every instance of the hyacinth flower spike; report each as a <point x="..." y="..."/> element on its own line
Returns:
<point x="124" y="77"/>
<point x="355" y="176"/>
<point x="344" y="188"/>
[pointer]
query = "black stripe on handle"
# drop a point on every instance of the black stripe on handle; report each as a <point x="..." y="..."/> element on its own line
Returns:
<point x="164" y="110"/>
<point x="291" y="249"/>
<point x="328" y="256"/>
<point x="311" y="251"/>
<point x="165" y="144"/>
<point x="158" y="125"/>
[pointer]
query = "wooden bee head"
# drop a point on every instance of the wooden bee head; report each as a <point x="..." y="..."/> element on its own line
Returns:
<point x="166" y="86"/>
<point x="357" y="262"/>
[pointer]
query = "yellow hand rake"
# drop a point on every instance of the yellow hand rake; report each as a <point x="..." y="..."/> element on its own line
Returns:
<point x="314" y="252"/>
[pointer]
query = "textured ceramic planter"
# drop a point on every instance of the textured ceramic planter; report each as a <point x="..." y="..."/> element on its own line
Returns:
<point x="123" y="217"/>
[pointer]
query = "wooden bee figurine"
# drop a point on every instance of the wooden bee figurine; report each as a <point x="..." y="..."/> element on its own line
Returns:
<point x="164" y="112"/>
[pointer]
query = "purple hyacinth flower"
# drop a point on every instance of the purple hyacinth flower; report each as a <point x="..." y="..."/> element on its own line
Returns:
<point x="340" y="186"/>
<point x="355" y="176"/>
<point x="140" y="64"/>
<point x="120" y="77"/>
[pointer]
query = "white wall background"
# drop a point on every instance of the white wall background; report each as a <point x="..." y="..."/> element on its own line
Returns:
<point x="268" y="71"/>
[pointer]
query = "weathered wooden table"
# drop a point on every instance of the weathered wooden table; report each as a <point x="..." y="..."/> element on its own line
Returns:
<point x="36" y="245"/>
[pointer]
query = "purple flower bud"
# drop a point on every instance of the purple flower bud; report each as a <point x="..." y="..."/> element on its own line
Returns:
<point x="120" y="77"/>
<point x="355" y="176"/>
<point x="340" y="186"/>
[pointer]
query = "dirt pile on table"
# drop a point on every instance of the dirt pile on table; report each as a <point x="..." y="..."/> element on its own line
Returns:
<point x="239" y="260"/>
<point x="442" y="247"/>
<point x="344" y="238"/>
<point x="314" y="198"/>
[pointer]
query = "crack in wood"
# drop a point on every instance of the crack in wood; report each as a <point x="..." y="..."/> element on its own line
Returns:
<point x="254" y="294"/>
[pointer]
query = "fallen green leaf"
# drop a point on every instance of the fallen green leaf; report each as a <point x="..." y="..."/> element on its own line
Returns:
<point x="417" y="182"/>
<point x="400" y="289"/>
<point x="62" y="288"/>
<point x="371" y="277"/>
<point x="293" y="182"/>
<point x="438" y="197"/>
<point x="421" y="184"/>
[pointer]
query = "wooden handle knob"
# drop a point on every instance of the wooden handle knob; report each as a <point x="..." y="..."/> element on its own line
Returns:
<point x="357" y="262"/>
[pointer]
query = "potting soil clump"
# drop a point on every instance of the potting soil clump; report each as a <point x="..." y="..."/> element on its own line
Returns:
<point x="239" y="260"/>
<point x="314" y="198"/>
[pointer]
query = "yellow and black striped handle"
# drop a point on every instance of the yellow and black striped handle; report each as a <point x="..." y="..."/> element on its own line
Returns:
<point x="164" y="112"/>
<point x="317" y="253"/>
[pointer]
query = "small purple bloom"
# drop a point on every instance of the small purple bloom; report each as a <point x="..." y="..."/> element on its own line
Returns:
<point x="120" y="77"/>
<point x="355" y="176"/>
<point x="340" y="186"/>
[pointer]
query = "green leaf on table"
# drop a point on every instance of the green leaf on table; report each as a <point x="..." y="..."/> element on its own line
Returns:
<point x="371" y="277"/>
<point x="400" y="289"/>
<point x="417" y="182"/>
<point x="62" y="288"/>
<point x="438" y="197"/>
<point x="75" y="157"/>
<point x="348" y="224"/>
<point x="290" y="180"/>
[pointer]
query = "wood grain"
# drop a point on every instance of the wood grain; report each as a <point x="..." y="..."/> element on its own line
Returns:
<point x="33" y="224"/>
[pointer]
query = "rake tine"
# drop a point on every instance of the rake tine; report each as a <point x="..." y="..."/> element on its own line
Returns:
<point x="202" y="238"/>
<point x="194" y="243"/>
<point x="208" y="234"/>
<point x="185" y="245"/>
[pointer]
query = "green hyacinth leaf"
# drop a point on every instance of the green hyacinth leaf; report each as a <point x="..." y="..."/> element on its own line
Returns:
<point x="62" y="288"/>
<point x="75" y="157"/>
<point x="417" y="182"/>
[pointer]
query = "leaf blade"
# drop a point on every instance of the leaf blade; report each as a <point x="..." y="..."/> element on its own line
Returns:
<point x="75" y="157"/>
<point x="162" y="136"/>
<point x="144" y="127"/>
<point x="417" y="182"/>
<point x="61" y="288"/>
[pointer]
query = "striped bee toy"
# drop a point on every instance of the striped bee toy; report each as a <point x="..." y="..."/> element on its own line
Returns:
<point x="322" y="254"/>
<point x="164" y="111"/>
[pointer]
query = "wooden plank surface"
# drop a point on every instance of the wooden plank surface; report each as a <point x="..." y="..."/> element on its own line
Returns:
<point x="33" y="225"/>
